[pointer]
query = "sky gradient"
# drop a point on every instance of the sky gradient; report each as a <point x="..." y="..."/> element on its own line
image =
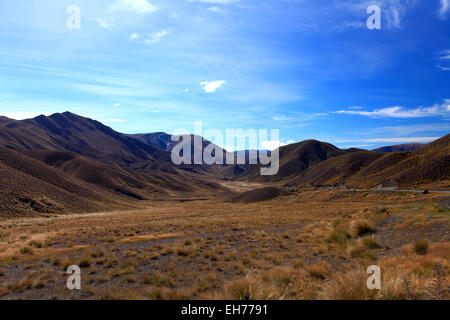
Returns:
<point x="310" y="68"/>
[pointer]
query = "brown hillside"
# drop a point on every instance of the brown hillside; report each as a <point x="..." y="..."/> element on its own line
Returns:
<point x="335" y="171"/>
<point x="294" y="159"/>
<point x="401" y="147"/>
<point x="30" y="186"/>
<point x="426" y="165"/>
<point x="70" y="132"/>
<point x="257" y="195"/>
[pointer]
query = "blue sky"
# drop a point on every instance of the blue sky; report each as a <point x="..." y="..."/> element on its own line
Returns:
<point x="310" y="68"/>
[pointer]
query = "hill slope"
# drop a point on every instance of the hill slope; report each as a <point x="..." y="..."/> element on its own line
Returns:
<point x="294" y="160"/>
<point x="30" y="186"/>
<point x="70" y="132"/>
<point x="430" y="164"/>
<point x="401" y="147"/>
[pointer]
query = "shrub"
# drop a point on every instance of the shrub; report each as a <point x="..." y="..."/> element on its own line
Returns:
<point x="35" y="244"/>
<point x="26" y="250"/>
<point x="318" y="271"/>
<point x="85" y="263"/>
<point x="339" y="236"/>
<point x="364" y="227"/>
<point x="371" y="243"/>
<point x="421" y="247"/>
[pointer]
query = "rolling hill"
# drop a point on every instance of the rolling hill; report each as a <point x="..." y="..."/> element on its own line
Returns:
<point x="81" y="165"/>
<point x="429" y="164"/>
<point x="294" y="160"/>
<point x="68" y="163"/>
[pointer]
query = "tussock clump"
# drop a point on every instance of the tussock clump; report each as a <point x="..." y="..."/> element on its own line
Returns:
<point x="339" y="236"/>
<point x="353" y="286"/>
<point x="250" y="288"/>
<point x="421" y="247"/>
<point x="319" y="270"/>
<point x="371" y="243"/>
<point x="26" y="250"/>
<point x="85" y="263"/>
<point x="362" y="228"/>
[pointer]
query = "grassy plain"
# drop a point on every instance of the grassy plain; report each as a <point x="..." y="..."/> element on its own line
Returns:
<point x="311" y="244"/>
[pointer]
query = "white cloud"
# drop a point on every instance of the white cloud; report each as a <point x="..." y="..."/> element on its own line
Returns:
<point x="22" y="115"/>
<point x="215" y="9"/>
<point x="393" y="11"/>
<point x="437" y="110"/>
<point x="444" y="61"/>
<point x="411" y="129"/>
<point x="134" y="36"/>
<point x="136" y="6"/>
<point x="212" y="86"/>
<point x="117" y="105"/>
<point x="355" y="108"/>
<point x="150" y="38"/>
<point x="444" y="9"/>
<point x="105" y="23"/>
<point x="349" y="25"/>
<point x="156" y="36"/>
<point x="272" y="145"/>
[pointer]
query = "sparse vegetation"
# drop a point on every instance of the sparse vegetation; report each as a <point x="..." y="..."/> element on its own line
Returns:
<point x="421" y="247"/>
<point x="363" y="228"/>
<point x="292" y="251"/>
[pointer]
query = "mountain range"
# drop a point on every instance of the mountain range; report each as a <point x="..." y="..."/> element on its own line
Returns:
<point x="67" y="163"/>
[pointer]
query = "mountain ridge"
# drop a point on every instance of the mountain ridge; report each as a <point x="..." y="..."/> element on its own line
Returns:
<point x="69" y="163"/>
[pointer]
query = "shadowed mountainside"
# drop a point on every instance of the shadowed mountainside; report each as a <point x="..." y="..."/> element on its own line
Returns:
<point x="401" y="147"/>
<point x="46" y="152"/>
<point x="295" y="159"/>
<point x="429" y="164"/>
<point x="68" y="163"/>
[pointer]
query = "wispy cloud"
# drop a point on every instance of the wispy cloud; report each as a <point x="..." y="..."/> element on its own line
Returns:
<point x="349" y="25"/>
<point x="212" y="86"/>
<point x="215" y="9"/>
<point x="437" y="110"/>
<point x="150" y="38"/>
<point x="136" y="6"/>
<point x="393" y="10"/>
<point x="444" y="60"/>
<point x="272" y="145"/>
<point x="134" y="36"/>
<point x="410" y="129"/>
<point x="105" y="23"/>
<point x="444" y="9"/>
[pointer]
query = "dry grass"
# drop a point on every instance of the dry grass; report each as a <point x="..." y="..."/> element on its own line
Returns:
<point x="311" y="245"/>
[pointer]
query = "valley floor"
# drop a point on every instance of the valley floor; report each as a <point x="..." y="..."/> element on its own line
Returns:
<point x="312" y="244"/>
